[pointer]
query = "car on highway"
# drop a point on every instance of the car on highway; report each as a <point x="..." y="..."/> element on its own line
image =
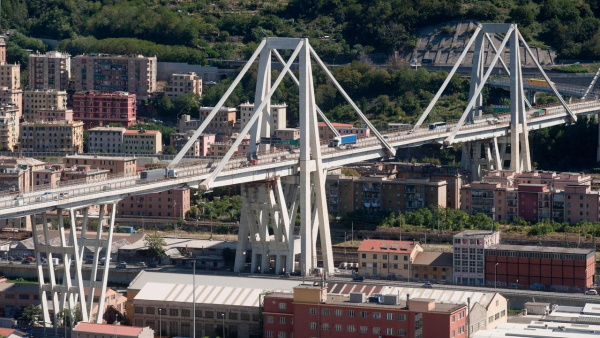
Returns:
<point x="591" y="292"/>
<point x="44" y="197"/>
<point x="428" y="285"/>
<point x="141" y="264"/>
<point x="122" y="265"/>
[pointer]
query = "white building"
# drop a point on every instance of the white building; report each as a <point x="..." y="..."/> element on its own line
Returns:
<point x="469" y="255"/>
<point x="278" y="115"/>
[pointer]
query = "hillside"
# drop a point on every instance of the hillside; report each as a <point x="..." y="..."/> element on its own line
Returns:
<point x="229" y="29"/>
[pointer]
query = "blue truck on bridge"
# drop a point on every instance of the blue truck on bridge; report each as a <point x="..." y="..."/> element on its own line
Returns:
<point x="344" y="141"/>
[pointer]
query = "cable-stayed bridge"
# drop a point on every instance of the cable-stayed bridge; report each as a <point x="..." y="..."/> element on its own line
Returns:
<point x="276" y="185"/>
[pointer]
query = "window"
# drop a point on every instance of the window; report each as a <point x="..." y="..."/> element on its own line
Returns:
<point x="364" y="314"/>
<point x="401" y="317"/>
<point x="325" y="312"/>
<point x="376" y="315"/>
<point x="374" y="256"/>
<point x="174" y="312"/>
<point x="338" y="313"/>
<point x="149" y="310"/>
<point x="390" y="316"/>
<point x="325" y="327"/>
<point x="376" y="330"/>
<point x="313" y="325"/>
<point x="312" y="311"/>
<point x="282" y="306"/>
<point x="281" y="320"/>
<point x="364" y="255"/>
<point x="350" y="313"/>
<point x="269" y="319"/>
<point x="350" y="328"/>
<point x="137" y="309"/>
<point x="268" y="333"/>
<point x="281" y="334"/>
<point x="389" y="331"/>
<point x="364" y="329"/>
<point x="401" y="332"/>
<point x="338" y="327"/>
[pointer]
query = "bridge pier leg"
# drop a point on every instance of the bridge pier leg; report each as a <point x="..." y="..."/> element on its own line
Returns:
<point x="598" y="147"/>
<point x="267" y="223"/>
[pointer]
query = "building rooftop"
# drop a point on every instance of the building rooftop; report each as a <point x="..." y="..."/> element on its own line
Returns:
<point x="142" y="132"/>
<point x="475" y="233"/>
<point x="541" y="329"/>
<point x="376" y="245"/>
<point x="190" y="243"/>
<point x="108" y="129"/>
<point x="535" y="248"/>
<point x="434" y="258"/>
<point x="441" y="296"/>
<point x="107" y="329"/>
<point x="119" y="158"/>
<point x="211" y="281"/>
<point x="344" y="300"/>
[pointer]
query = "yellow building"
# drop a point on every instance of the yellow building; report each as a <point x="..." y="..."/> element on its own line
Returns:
<point x="35" y="100"/>
<point x="9" y="127"/>
<point x="386" y="258"/>
<point x="142" y="142"/>
<point x="51" y="136"/>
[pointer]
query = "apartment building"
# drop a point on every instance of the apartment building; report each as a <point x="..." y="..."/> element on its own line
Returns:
<point x="106" y="140"/>
<point x="222" y="123"/>
<point x="49" y="177"/>
<point x="115" y="165"/>
<point x="84" y="174"/>
<point x="277" y="116"/>
<point x="12" y="177"/>
<point x="51" y="70"/>
<point x="179" y="84"/>
<point x="108" y="73"/>
<point x="51" y="136"/>
<point x="142" y="142"/>
<point x="326" y="134"/>
<point x="312" y="312"/>
<point x="387" y="259"/>
<point x="469" y="255"/>
<point x="105" y="330"/>
<point x="432" y="266"/>
<point x="539" y="266"/>
<point x="346" y="194"/>
<point x="562" y="197"/>
<point x="288" y="134"/>
<point x="12" y="97"/>
<point x="102" y="108"/>
<point x="36" y="100"/>
<point x="169" y="204"/>
<point x="55" y="114"/>
<point x="9" y="127"/>
<point x="200" y="147"/>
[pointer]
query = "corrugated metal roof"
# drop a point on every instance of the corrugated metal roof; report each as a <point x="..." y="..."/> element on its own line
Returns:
<point x="205" y="294"/>
<point x="441" y="296"/>
<point x="232" y="281"/>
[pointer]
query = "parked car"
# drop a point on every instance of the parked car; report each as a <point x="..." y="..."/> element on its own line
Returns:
<point x="428" y="285"/>
<point x="122" y="265"/>
<point x="358" y="278"/>
<point x="591" y="292"/>
<point x="141" y="264"/>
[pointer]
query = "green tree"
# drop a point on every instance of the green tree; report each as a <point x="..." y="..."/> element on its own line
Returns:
<point x="169" y="150"/>
<point x="155" y="244"/>
<point x="31" y="314"/>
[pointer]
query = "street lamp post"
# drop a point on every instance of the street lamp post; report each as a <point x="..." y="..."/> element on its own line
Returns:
<point x="194" y="298"/>
<point x="495" y="275"/>
<point x="160" y="322"/>
<point x="223" y="317"/>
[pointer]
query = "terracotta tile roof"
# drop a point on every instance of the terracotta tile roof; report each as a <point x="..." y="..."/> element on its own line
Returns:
<point x="377" y="245"/>
<point x="108" y="329"/>
<point x="335" y="124"/>
<point x="5" y="332"/>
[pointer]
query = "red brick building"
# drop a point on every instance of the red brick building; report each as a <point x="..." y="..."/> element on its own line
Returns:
<point x="524" y="266"/>
<point x="311" y="312"/>
<point x="170" y="204"/>
<point x="101" y="108"/>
